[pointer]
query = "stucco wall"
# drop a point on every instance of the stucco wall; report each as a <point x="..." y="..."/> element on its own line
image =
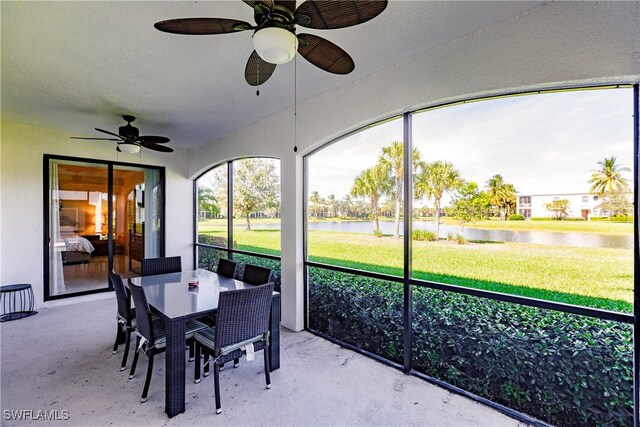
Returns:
<point x="556" y="45"/>
<point x="21" y="223"/>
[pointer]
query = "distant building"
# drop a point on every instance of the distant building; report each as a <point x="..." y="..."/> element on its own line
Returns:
<point x="583" y="205"/>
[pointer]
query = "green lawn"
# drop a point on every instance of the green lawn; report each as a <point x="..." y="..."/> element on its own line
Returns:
<point x="262" y="241"/>
<point x="595" y="277"/>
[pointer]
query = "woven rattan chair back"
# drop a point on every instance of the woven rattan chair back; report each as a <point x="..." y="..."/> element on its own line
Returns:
<point x="122" y="296"/>
<point x="143" y="313"/>
<point x="164" y="265"/>
<point x="256" y="275"/>
<point x="243" y="314"/>
<point x="226" y="268"/>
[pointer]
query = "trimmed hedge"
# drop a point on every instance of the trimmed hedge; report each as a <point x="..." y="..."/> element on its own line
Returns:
<point x="562" y="368"/>
<point x="621" y="218"/>
<point x="516" y="217"/>
<point x="615" y="218"/>
<point x="208" y="258"/>
<point x="569" y="218"/>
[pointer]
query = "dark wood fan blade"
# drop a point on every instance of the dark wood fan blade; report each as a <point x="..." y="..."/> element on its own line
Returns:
<point x="109" y="133"/>
<point x="266" y="3"/>
<point x="151" y="139"/>
<point x="95" y="139"/>
<point x="324" y="54"/>
<point x="330" y="14"/>
<point x="202" y="26"/>
<point x="258" y="70"/>
<point x="156" y="147"/>
<point x="289" y="4"/>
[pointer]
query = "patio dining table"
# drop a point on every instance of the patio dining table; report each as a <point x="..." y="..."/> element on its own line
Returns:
<point x="170" y="297"/>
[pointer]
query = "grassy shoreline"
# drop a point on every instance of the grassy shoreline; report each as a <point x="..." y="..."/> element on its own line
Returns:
<point x="595" y="277"/>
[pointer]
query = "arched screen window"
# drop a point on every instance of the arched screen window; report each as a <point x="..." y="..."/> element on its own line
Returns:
<point x="238" y="214"/>
<point x="509" y="271"/>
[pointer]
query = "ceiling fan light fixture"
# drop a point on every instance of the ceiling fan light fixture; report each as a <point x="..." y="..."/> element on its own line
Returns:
<point x="275" y="45"/>
<point x="129" y="148"/>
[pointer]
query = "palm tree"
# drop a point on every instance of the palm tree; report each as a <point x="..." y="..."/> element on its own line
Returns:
<point x="332" y="206"/>
<point x="345" y="206"/>
<point x="372" y="183"/>
<point x="392" y="160"/>
<point x="502" y="195"/>
<point x="316" y="203"/>
<point x="207" y="201"/>
<point x="608" y="180"/>
<point x="433" y="181"/>
<point x="510" y="194"/>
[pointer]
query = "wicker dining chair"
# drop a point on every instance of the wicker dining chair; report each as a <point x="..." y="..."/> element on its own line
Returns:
<point x="126" y="316"/>
<point x="242" y="327"/>
<point x="226" y="268"/>
<point x="152" y="336"/>
<point x="256" y="275"/>
<point x="163" y="265"/>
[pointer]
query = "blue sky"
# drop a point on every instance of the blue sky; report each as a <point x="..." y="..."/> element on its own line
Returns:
<point x="543" y="144"/>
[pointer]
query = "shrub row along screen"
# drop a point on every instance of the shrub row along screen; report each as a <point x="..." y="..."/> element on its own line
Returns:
<point x="529" y="196"/>
<point x="560" y="367"/>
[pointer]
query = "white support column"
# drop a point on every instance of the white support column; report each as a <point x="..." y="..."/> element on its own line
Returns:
<point x="292" y="253"/>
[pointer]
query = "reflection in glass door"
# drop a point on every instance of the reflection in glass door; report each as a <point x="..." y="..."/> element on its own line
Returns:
<point x="99" y="217"/>
<point x="137" y="230"/>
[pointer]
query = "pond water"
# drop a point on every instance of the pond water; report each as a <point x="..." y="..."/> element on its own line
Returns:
<point x="539" y="237"/>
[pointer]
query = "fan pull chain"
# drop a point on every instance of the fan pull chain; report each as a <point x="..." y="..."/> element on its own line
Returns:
<point x="258" y="72"/>
<point x="295" y="104"/>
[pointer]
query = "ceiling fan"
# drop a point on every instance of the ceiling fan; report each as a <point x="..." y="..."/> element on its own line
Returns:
<point x="274" y="38"/>
<point x="130" y="141"/>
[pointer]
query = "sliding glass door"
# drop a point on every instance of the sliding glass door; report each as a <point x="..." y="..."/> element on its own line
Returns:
<point x="78" y="257"/>
<point x="99" y="216"/>
<point x="137" y="217"/>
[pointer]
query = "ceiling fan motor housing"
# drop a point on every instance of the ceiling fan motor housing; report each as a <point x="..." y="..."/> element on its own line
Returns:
<point x="127" y="130"/>
<point x="280" y="16"/>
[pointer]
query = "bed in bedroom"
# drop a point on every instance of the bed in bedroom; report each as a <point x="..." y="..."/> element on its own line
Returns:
<point x="77" y="250"/>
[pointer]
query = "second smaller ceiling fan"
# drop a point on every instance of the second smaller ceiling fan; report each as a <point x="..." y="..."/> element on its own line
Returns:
<point x="130" y="141"/>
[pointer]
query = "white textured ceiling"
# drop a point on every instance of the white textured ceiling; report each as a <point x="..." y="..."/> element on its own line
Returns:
<point x="78" y="65"/>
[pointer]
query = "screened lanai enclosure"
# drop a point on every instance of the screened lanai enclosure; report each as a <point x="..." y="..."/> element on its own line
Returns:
<point x="488" y="246"/>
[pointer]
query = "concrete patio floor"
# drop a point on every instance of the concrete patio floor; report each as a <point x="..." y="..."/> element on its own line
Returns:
<point x="61" y="359"/>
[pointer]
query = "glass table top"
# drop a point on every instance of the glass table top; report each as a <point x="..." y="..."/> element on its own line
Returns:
<point x="171" y="295"/>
